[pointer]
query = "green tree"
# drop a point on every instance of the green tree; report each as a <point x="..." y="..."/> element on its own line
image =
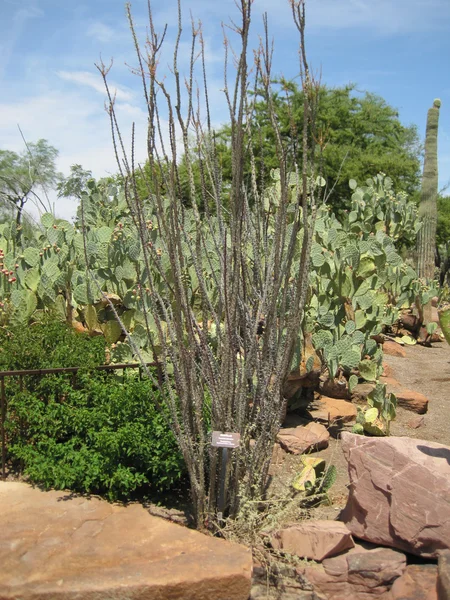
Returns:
<point x="27" y="176"/>
<point x="75" y="184"/>
<point x="357" y="137"/>
<point x="144" y="179"/>
<point x="27" y="225"/>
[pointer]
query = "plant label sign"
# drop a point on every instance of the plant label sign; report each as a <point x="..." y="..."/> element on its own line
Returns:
<point x="225" y="440"/>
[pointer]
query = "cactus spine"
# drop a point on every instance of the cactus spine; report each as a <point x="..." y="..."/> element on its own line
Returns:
<point x="426" y="242"/>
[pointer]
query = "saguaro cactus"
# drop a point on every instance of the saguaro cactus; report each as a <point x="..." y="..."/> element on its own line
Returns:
<point x="426" y="241"/>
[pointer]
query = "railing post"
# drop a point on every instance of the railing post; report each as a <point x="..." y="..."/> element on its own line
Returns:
<point x="3" y="420"/>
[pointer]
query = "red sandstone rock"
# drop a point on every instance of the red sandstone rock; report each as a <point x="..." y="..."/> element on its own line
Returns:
<point x="315" y="540"/>
<point x="60" y="547"/>
<point x="391" y="348"/>
<point x="411" y="400"/>
<point x="416" y="422"/>
<point x="383" y="564"/>
<point x="332" y="409"/>
<point x="390" y="382"/>
<point x="399" y="493"/>
<point x="418" y="582"/>
<point x="297" y="381"/>
<point x="297" y="440"/>
<point x="338" y="388"/>
<point x="443" y="582"/>
<point x="426" y="339"/>
<point x="410" y="322"/>
<point x="361" y="391"/>
<point x="359" y="574"/>
<point x="408" y="399"/>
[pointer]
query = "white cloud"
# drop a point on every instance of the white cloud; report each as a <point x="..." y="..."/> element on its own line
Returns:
<point x="78" y="127"/>
<point x="95" y="82"/>
<point x="101" y="32"/>
<point x="27" y="12"/>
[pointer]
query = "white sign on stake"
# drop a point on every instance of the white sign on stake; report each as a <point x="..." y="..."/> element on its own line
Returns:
<point x="225" y="440"/>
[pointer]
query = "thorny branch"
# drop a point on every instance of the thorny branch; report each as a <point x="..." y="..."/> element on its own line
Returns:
<point x="226" y="355"/>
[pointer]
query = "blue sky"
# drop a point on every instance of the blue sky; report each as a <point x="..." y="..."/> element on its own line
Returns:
<point x="399" y="49"/>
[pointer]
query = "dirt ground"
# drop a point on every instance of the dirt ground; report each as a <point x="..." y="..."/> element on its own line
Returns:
<point x="425" y="370"/>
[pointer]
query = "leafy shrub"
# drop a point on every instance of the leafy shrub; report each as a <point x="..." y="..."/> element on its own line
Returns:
<point x="47" y="345"/>
<point x="100" y="436"/>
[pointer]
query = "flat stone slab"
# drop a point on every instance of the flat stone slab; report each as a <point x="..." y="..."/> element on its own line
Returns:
<point x="298" y="440"/>
<point x="57" y="547"/>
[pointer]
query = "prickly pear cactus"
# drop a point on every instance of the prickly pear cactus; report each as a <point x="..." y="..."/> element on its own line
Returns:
<point x="376" y="419"/>
<point x="359" y="280"/>
<point x="444" y="321"/>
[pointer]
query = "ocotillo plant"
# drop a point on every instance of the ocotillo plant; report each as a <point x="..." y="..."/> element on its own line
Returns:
<point x="227" y="355"/>
<point x="426" y="241"/>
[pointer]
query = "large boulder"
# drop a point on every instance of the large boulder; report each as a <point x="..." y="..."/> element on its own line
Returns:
<point x="399" y="493"/>
<point x="360" y="574"/>
<point x="54" y="545"/>
<point x="315" y="540"/>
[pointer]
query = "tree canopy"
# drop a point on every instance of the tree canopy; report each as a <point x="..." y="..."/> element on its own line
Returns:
<point x="74" y="184"/>
<point x="26" y="176"/>
<point x="359" y="135"/>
